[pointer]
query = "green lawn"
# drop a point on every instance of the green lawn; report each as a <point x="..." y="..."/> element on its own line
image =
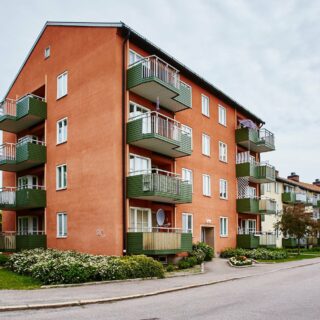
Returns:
<point x="295" y="257"/>
<point x="11" y="280"/>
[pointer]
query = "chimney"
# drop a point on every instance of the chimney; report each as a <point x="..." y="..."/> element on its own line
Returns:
<point x="277" y="173"/>
<point x="317" y="182"/>
<point x="294" y="177"/>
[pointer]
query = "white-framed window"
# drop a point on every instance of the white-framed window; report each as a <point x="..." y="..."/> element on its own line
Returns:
<point x="206" y="185"/>
<point x="27" y="225"/>
<point x="223" y="189"/>
<point x="187" y="223"/>
<point x="187" y="175"/>
<point x="134" y="57"/>
<point x="276" y="187"/>
<point x="252" y="192"/>
<point x="205" y="144"/>
<point x="28" y="182"/>
<point x="223" y="227"/>
<point x="205" y="105"/>
<point x="140" y="220"/>
<point x="47" y="52"/>
<point x="268" y="187"/>
<point x="188" y="130"/>
<point x="223" y="152"/>
<point x="136" y="110"/>
<point x="62" y="130"/>
<point x="139" y="164"/>
<point x="62" y="225"/>
<point x="61" y="177"/>
<point x="62" y="85"/>
<point x="222" y="115"/>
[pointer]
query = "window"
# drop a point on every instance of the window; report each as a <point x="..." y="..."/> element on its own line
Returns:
<point x="276" y="187"/>
<point x="223" y="152"/>
<point x="205" y="105"/>
<point x="222" y="115"/>
<point x="223" y="227"/>
<point x="187" y="130"/>
<point x="268" y="187"/>
<point x="252" y="192"/>
<point x="28" y="182"/>
<point x="187" y="223"/>
<point x="206" y="185"/>
<point x="136" y="110"/>
<point x="134" y="57"/>
<point x="47" y="52"/>
<point x="61" y="177"/>
<point x="223" y="189"/>
<point x="62" y="85"/>
<point x="205" y="144"/>
<point x="140" y="220"/>
<point x="139" y="165"/>
<point x="62" y="130"/>
<point x="187" y="175"/>
<point x="62" y="225"/>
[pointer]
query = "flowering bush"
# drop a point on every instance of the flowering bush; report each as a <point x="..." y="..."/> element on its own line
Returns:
<point x="54" y="267"/>
<point x="257" y="254"/>
<point x="240" y="261"/>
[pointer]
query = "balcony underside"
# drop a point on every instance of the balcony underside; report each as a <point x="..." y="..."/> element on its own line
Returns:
<point x="13" y="125"/>
<point x="256" y="147"/>
<point x="14" y="166"/>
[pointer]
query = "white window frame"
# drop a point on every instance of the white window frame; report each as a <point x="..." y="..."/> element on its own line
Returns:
<point x="206" y="185"/>
<point x="276" y="187"/>
<point x="135" y="112"/>
<point x="222" y="115"/>
<point x="64" y="232"/>
<point x="47" y="52"/>
<point x="135" y="168"/>
<point x="188" y="130"/>
<point x="223" y="189"/>
<point x="268" y="187"/>
<point x="206" y="142"/>
<point x="185" y="221"/>
<point x="64" y="137"/>
<point x="137" y="57"/>
<point x="63" y="172"/>
<point x="135" y="228"/>
<point x="205" y="108"/>
<point x="223" y="152"/>
<point x="224" y="227"/>
<point x="187" y="175"/>
<point x="62" y="91"/>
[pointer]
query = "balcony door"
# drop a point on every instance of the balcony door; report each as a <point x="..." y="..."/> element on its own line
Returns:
<point x="27" y="225"/>
<point x="249" y="226"/>
<point x="139" y="165"/>
<point x="27" y="182"/>
<point x="140" y="220"/>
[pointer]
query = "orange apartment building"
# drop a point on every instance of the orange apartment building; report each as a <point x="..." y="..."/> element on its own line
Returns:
<point x="112" y="146"/>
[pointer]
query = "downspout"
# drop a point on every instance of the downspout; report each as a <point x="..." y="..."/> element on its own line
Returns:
<point x="124" y="172"/>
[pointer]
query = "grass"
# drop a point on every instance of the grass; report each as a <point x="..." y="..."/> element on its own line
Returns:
<point x="295" y="257"/>
<point x="13" y="281"/>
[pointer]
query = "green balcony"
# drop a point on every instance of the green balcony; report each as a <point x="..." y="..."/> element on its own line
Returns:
<point x="24" y="113"/>
<point x="21" y="199"/>
<point x="10" y="242"/>
<point x="247" y="241"/>
<point x="267" y="206"/>
<point x="21" y="156"/>
<point x="294" y="197"/>
<point x="256" y="206"/>
<point x="160" y="186"/>
<point x="160" y="134"/>
<point x="153" y="79"/>
<point x="158" y="243"/>
<point x="257" y="140"/>
<point x="256" y="172"/>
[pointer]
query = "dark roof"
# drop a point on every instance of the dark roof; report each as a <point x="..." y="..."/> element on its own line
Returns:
<point x="138" y="39"/>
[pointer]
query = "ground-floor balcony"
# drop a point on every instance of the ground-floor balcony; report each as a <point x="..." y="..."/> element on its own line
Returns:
<point x="158" y="185"/>
<point x="12" y="241"/>
<point x="158" y="133"/>
<point x="158" y="241"/>
<point x="251" y="239"/>
<point x="28" y="197"/>
<point x="255" y="205"/>
<point x="23" y="155"/>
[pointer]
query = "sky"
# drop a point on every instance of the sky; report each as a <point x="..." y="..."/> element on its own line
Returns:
<point x="264" y="54"/>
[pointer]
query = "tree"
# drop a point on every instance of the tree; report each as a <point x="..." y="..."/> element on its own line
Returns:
<point x="296" y="222"/>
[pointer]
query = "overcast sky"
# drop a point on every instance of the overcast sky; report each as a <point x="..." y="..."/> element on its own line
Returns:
<point x="264" y="54"/>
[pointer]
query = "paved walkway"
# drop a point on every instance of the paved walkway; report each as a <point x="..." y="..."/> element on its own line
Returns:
<point x="217" y="270"/>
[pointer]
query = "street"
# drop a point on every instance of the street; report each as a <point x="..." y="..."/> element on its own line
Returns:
<point x="287" y="294"/>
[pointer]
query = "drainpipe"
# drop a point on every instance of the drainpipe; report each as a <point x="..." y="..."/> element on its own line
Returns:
<point x="124" y="172"/>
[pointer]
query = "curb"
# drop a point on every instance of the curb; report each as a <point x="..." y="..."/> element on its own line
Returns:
<point x="77" y="303"/>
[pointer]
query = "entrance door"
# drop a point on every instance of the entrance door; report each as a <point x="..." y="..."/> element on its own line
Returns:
<point x="207" y="236"/>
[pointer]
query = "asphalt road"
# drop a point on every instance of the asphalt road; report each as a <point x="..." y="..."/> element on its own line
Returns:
<point x="289" y="294"/>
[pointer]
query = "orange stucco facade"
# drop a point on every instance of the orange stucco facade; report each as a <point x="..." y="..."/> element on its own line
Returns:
<point x="93" y="199"/>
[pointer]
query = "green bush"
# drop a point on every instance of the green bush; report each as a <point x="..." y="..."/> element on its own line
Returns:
<point x="198" y="254"/>
<point x="3" y="259"/>
<point x="170" y="267"/>
<point x="257" y="254"/>
<point x="54" y="267"/>
<point x="206" y="249"/>
<point x="187" y="262"/>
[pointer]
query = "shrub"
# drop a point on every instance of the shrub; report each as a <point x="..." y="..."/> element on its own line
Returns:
<point x="240" y="261"/>
<point x="170" y="267"/>
<point x="258" y="254"/>
<point x="3" y="259"/>
<point x="54" y="267"/>
<point x="198" y="254"/>
<point x="206" y="249"/>
<point x="188" y="262"/>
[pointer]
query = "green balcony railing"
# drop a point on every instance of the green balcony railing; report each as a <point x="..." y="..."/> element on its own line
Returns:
<point x="161" y="241"/>
<point x="255" y="205"/>
<point x="267" y="206"/>
<point x="156" y="80"/>
<point x="24" y="113"/>
<point x="23" y="155"/>
<point x="257" y="140"/>
<point x="294" y="197"/>
<point x="158" y="133"/>
<point x="158" y="185"/>
<point x="29" y="197"/>
<point x="12" y="241"/>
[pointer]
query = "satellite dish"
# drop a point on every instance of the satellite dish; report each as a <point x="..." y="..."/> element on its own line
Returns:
<point x="160" y="217"/>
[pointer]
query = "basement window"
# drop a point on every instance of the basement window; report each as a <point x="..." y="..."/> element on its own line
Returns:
<point x="47" y="52"/>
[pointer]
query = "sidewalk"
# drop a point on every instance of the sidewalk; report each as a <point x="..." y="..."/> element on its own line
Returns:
<point x="216" y="271"/>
